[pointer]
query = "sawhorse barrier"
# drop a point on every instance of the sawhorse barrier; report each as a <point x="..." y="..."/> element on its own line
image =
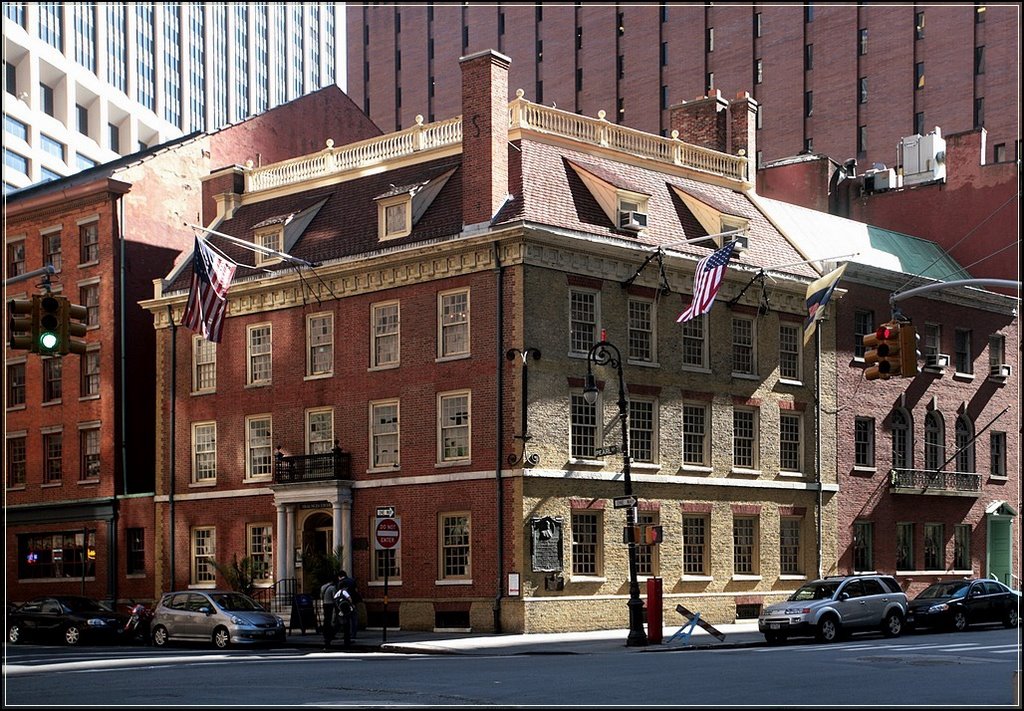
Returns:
<point x="694" y="620"/>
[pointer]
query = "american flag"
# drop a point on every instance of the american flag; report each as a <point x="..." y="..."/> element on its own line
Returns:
<point x="706" y="281"/>
<point x="208" y="297"/>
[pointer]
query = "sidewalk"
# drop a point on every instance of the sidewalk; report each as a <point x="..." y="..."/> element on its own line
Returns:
<point x="743" y="634"/>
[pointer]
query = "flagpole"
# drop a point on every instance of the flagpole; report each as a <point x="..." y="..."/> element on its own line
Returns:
<point x="251" y="245"/>
<point x="810" y="261"/>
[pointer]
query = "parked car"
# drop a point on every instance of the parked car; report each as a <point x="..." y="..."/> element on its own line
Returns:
<point x="222" y="617"/>
<point x="71" y="619"/>
<point x="955" y="604"/>
<point x="834" y="606"/>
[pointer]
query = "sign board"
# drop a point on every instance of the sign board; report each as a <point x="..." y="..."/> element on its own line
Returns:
<point x="387" y="534"/>
<point x="385" y="512"/>
<point x="606" y="451"/>
<point x="624" y="502"/>
<point x="701" y="623"/>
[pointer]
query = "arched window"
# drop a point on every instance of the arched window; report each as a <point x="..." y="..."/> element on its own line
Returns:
<point x="934" y="441"/>
<point x="902" y="450"/>
<point x="964" y="444"/>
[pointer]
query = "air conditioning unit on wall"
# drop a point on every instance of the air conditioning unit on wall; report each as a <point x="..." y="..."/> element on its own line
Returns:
<point x="1001" y="371"/>
<point x="936" y="360"/>
<point x="633" y="221"/>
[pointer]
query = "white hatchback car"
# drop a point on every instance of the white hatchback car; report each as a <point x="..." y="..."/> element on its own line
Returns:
<point x="223" y="617"/>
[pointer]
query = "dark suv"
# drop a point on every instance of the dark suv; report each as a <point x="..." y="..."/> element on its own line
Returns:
<point x="833" y="606"/>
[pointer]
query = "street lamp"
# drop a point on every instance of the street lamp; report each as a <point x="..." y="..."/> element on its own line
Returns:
<point x="604" y="353"/>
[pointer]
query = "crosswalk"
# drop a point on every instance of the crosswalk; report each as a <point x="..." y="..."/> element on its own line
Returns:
<point x="963" y="648"/>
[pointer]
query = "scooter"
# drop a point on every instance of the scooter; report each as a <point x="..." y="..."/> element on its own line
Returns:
<point x="140" y="620"/>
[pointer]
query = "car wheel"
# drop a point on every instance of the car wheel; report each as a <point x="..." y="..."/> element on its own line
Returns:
<point x="828" y="629"/>
<point x="773" y="638"/>
<point x="160" y="637"/>
<point x="893" y="624"/>
<point x="14" y="634"/>
<point x="221" y="638"/>
<point x="959" y="621"/>
<point x="72" y="636"/>
<point x="1011" y="618"/>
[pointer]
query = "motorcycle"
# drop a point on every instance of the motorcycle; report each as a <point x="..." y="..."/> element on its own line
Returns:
<point x="137" y="627"/>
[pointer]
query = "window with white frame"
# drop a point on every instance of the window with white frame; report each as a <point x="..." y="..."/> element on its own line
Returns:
<point x="582" y="427"/>
<point x="15" y="384"/>
<point x="586" y="542"/>
<point x="647" y="555"/>
<point x="790" y="449"/>
<point x="394" y="216"/>
<point x="863" y="324"/>
<point x="385" y="349"/>
<point x="744" y="355"/>
<point x="642" y="337"/>
<point x="902" y="443"/>
<point x="964" y="444"/>
<point x="320" y="344"/>
<point x="643" y="436"/>
<point x="962" y="547"/>
<point x="790" y="339"/>
<point x="90" y="373"/>
<point x="204" y="365"/>
<point x="89" y="243"/>
<point x="744" y="545"/>
<point x="863" y="546"/>
<point x="996" y="351"/>
<point x="583" y="320"/>
<point x="695" y="345"/>
<point x="789" y="546"/>
<point x="932" y="341"/>
<point x="934" y="546"/>
<point x="259" y="370"/>
<point x="455" y="546"/>
<point x="453" y="323"/>
<point x="89" y="297"/>
<point x="51" y="250"/>
<point x="204" y="452"/>
<point x="384" y="435"/>
<point x="453" y="426"/>
<point x="260" y="549"/>
<point x="387" y="563"/>
<point x="53" y="451"/>
<point x="16" y="460"/>
<point x="997" y="454"/>
<point x="964" y="356"/>
<point x="89" y="447"/>
<point x="269" y="238"/>
<point x="695" y="544"/>
<point x="695" y="440"/>
<point x="319" y="431"/>
<point x="52" y="379"/>
<point x="934" y="441"/>
<point x="259" y="457"/>
<point x="204" y="550"/>
<point x="864" y="442"/>
<point x="904" y="546"/>
<point x="744" y="439"/>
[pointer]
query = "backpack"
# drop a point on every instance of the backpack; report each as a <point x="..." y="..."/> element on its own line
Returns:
<point x="327" y="592"/>
<point x="343" y="602"/>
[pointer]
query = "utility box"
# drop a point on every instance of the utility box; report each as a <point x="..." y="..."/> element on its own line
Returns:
<point x="655" y="615"/>
<point x="923" y="158"/>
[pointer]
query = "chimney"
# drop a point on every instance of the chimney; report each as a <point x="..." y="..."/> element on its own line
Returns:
<point x="484" y="136"/>
<point x="701" y="121"/>
<point x="221" y="191"/>
<point x="743" y="130"/>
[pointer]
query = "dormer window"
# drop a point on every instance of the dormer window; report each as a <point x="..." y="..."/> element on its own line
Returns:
<point x="716" y="216"/>
<point x="731" y="223"/>
<point x="632" y="211"/>
<point x="273" y="238"/>
<point x="395" y="216"/>
<point x="620" y="200"/>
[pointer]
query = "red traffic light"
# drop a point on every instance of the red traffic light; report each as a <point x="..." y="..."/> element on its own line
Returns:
<point x="882" y="352"/>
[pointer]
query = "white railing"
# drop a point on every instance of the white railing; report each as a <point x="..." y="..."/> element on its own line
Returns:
<point x="523" y="114"/>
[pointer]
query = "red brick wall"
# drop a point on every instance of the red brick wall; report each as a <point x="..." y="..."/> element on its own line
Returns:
<point x="484" y="136"/>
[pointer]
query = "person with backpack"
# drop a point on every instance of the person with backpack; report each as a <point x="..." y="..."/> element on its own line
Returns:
<point x="328" y="591"/>
<point x="345" y="599"/>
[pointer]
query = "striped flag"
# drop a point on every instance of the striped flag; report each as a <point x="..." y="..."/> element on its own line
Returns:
<point x="818" y="294"/>
<point x="208" y="297"/>
<point x="706" y="281"/>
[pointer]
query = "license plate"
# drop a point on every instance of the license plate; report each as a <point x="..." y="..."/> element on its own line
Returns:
<point x="774" y="627"/>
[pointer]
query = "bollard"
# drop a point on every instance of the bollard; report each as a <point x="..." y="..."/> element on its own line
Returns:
<point x="654" y="611"/>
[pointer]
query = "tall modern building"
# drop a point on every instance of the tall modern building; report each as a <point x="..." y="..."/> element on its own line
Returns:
<point x="85" y="83"/>
<point x="847" y="80"/>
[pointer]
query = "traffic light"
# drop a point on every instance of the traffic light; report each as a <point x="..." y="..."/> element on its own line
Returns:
<point x="71" y="331"/>
<point x="910" y="352"/>
<point x="882" y="352"/>
<point x="23" y="327"/>
<point x="51" y="311"/>
<point x="653" y="534"/>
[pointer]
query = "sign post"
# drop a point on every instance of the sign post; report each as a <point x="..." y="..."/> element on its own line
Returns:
<point x="386" y="536"/>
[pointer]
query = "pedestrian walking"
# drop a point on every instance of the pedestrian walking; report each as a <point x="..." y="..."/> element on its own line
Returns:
<point x="327" y="595"/>
<point x="346" y="597"/>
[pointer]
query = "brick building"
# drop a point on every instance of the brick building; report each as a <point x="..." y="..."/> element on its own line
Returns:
<point x="79" y="458"/>
<point x="846" y="80"/>
<point x="389" y="375"/>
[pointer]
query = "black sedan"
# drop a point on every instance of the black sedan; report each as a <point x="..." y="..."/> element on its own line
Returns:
<point x="70" y="619"/>
<point x="955" y="604"/>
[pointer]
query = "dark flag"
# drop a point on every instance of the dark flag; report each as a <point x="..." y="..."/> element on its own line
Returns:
<point x="208" y="297"/>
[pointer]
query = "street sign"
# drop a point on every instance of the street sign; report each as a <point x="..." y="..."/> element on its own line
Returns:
<point x="605" y="451"/>
<point x="385" y="511"/>
<point x="624" y="502"/>
<point x="388" y="533"/>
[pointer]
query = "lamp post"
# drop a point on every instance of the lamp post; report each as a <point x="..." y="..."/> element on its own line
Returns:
<point x="604" y="353"/>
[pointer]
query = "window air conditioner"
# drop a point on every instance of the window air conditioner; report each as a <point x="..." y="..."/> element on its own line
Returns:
<point x="1000" y="371"/>
<point x="936" y="360"/>
<point x="635" y="221"/>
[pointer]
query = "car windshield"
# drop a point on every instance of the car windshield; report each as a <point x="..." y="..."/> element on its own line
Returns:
<point x="81" y="604"/>
<point x="954" y="588"/>
<point x="815" y="591"/>
<point x="235" y="602"/>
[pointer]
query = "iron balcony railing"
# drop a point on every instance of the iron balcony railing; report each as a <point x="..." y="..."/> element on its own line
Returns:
<point x="923" y="481"/>
<point x="327" y="466"/>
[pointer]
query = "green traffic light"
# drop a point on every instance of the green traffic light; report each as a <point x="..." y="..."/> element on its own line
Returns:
<point x="48" y="341"/>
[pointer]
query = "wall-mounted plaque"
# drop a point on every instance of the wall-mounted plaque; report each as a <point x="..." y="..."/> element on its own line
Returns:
<point x="546" y="548"/>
